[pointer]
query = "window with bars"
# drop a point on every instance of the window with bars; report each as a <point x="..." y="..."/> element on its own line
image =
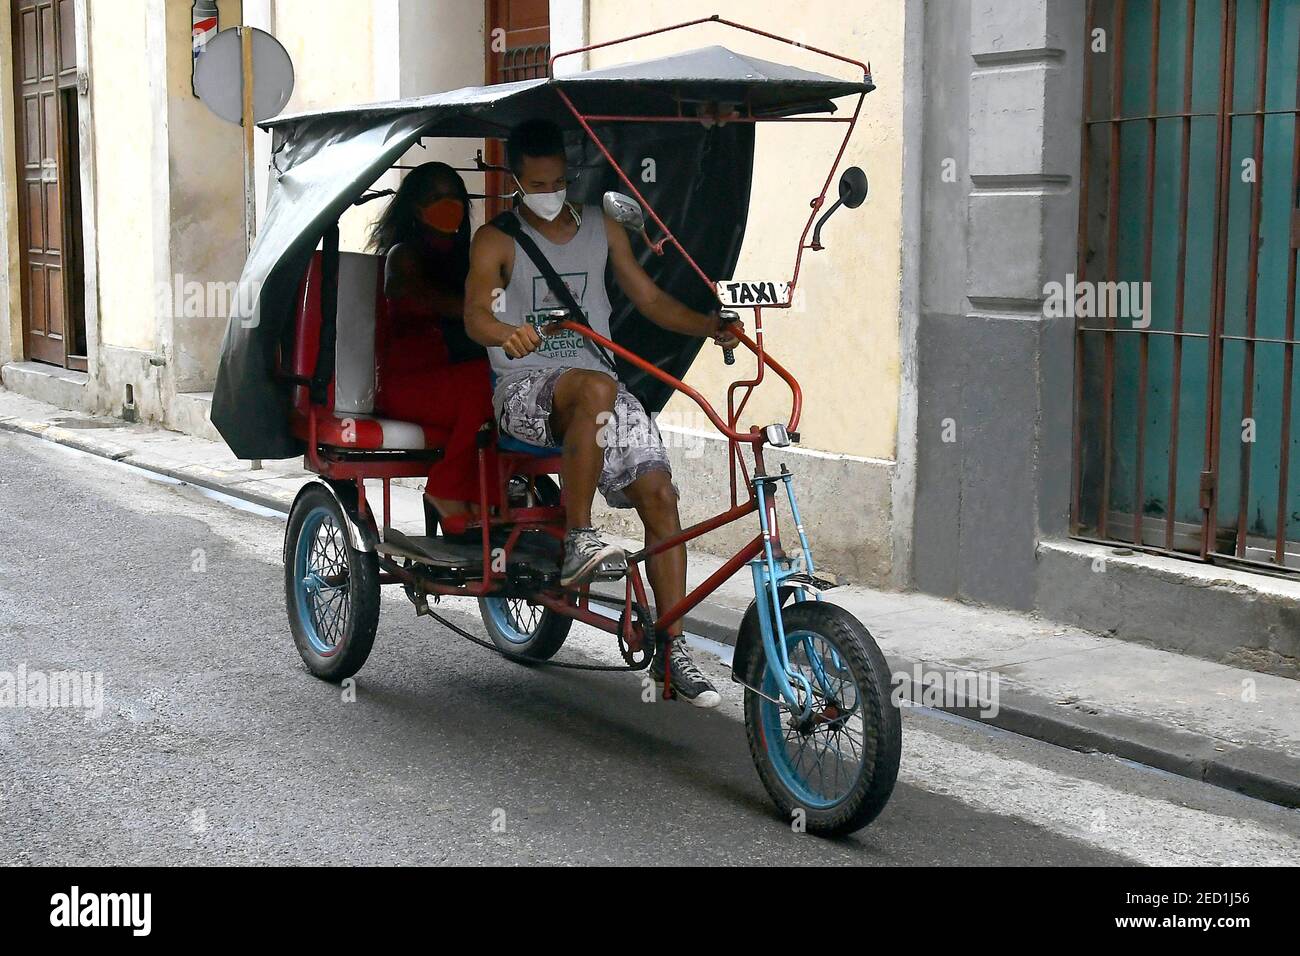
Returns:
<point x="524" y="62"/>
<point x="1187" y="436"/>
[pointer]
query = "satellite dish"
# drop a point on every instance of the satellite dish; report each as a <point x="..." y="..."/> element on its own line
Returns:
<point x="219" y="75"/>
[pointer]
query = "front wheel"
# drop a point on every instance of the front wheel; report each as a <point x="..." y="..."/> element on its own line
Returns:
<point x="331" y="590"/>
<point x="838" y="766"/>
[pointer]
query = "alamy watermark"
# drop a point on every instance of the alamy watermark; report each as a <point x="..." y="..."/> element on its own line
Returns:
<point x="73" y="909"/>
<point x="190" y="299"/>
<point x="682" y="430"/>
<point x="1074" y="299"/>
<point x="70" y="690"/>
<point x="947" y="689"/>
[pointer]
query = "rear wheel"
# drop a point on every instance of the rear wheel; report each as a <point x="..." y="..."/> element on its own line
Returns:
<point x="839" y="765"/>
<point x="522" y="630"/>
<point x="331" y="590"/>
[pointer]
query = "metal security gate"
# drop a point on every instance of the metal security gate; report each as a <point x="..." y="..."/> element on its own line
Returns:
<point x="1187" y="432"/>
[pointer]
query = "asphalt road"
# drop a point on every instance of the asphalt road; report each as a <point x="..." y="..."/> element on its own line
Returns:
<point x="215" y="746"/>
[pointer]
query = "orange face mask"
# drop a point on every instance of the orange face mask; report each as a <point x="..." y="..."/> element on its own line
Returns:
<point x="445" y="215"/>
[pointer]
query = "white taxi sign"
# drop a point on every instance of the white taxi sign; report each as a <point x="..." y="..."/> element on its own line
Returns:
<point x="736" y="293"/>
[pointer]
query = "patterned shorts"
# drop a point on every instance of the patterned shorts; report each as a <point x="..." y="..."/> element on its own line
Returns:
<point x="633" y="446"/>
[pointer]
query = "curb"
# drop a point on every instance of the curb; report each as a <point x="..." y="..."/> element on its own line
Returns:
<point x="1251" y="771"/>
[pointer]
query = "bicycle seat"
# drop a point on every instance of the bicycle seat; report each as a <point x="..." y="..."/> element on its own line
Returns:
<point x="511" y="444"/>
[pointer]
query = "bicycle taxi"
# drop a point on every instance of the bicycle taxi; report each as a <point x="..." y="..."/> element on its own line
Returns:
<point x="298" y="376"/>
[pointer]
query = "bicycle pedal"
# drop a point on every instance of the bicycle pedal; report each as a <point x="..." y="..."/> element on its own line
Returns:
<point x="611" y="569"/>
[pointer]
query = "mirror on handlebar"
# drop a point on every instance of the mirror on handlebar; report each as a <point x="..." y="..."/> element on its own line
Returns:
<point x="853" y="193"/>
<point x="627" y="212"/>
<point x="624" y="210"/>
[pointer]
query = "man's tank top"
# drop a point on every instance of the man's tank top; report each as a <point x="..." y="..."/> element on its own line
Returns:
<point x="580" y="263"/>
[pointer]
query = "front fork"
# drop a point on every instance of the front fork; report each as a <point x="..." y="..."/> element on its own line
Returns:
<point x="770" y="575"/>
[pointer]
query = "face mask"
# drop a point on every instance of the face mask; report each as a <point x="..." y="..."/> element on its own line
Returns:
<point x="546" y="205"/>
<point x="445" y="215"/>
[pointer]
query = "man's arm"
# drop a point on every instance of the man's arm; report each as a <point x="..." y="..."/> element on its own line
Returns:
<point x="651" y="301"/>
<point x="489" y="257"/>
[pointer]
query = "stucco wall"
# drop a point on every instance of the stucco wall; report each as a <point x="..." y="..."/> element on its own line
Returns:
<point x="330" y="42"/>
<point x="843" y="346"/>
<point x="125" y="129"/>
<point x="345" y="52"/>
<point x="206" y="212"/>
<point x="993" y="431"/>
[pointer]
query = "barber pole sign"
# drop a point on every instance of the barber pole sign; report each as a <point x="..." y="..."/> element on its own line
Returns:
<point x="738" y="294"/>
<point x="204" y="23"/>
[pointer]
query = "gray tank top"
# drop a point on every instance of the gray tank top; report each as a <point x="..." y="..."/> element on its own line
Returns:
<point x="580" y="262"/>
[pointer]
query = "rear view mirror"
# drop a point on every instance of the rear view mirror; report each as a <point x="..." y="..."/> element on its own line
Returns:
<point x="853" y="187"/>
<point x="624" y="210"/>
<point x="853" y="193"/>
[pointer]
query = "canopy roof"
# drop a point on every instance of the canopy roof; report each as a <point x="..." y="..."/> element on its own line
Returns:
<point x="322" y="161"/>
<point x="644" y="88"/>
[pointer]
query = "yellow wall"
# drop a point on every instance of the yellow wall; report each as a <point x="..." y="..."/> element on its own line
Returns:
<point x="843" y="347"/>
<point x="332" y="45"/>
<point x="125" y="193"/>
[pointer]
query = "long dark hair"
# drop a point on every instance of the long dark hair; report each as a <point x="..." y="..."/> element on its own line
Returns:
<point x="398" y="223"/>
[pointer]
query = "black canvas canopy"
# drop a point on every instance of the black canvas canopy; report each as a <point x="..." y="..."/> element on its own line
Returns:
<point x="323" y="161"/>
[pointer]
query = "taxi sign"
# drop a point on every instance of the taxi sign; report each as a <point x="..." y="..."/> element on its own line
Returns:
<point x="736" y="293"/>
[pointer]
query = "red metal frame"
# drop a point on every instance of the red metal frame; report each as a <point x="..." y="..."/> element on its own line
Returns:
<point x="551" y="519"/>
<point x="814" y="205"/>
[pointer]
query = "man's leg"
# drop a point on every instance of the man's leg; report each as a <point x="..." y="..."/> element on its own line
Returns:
<point x="580" y="406"/>
<point x="582" y="401"/>
<point x="656" y="502"/>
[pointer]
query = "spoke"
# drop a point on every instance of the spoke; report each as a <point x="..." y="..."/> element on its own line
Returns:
<point x="334" y="607"/>
<point x="803" y="743"/>
<point x="840" y="739"/>
<point x="324" y="618"/>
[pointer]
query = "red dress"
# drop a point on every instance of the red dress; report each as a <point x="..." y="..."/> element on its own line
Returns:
<point x="432" y="374"/>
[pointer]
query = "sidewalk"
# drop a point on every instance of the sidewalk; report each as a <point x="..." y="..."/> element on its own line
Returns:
<point x="1233" y="728"/>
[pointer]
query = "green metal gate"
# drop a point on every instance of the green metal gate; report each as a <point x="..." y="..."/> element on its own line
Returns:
<point x="1187" y="433"/>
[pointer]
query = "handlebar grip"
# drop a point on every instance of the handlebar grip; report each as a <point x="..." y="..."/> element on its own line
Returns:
<point x="728" y="355"/>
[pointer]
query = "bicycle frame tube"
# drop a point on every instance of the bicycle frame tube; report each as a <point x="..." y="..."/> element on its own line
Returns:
<point x="770" y="574"/>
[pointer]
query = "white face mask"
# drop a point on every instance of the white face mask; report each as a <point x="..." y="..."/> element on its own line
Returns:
<point x="546" y="205"/>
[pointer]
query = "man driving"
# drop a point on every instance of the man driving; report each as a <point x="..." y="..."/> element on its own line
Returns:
<point x="562" y="389"/>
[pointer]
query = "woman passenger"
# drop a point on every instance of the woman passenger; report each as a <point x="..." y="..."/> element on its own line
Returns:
<point x="430" y="371"/>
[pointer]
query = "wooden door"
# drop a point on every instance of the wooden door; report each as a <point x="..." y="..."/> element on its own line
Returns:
<point x="518" y="41"/>
<point x="49" y="220"/>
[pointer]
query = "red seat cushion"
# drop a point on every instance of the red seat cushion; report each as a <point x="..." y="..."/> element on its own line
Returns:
<point x="368" y="433"/>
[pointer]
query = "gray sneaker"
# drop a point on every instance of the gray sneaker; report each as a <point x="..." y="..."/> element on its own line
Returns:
<point x="688" y="681"/>
<point x="586" y="557"/>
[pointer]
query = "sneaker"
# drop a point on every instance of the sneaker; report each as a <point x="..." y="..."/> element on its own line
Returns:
<point x="587" y="557"/>
<point x="688" y="681"/>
